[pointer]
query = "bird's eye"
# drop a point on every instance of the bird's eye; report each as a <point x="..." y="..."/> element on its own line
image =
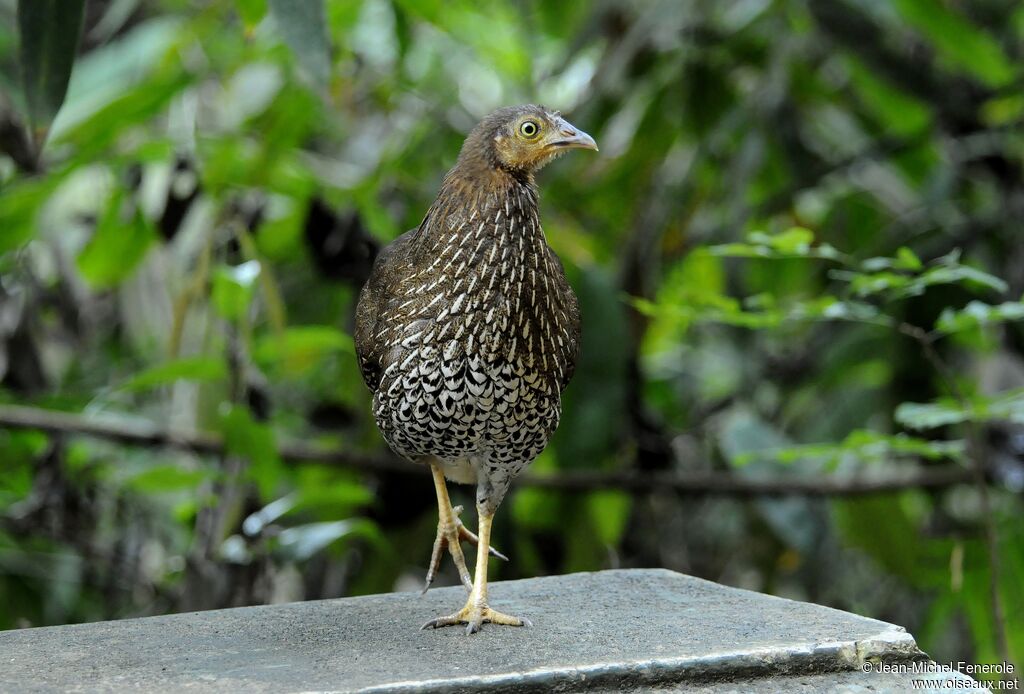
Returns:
<point x="529" y="129"/>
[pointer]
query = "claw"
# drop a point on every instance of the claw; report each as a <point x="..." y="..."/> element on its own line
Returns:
<point x="450" y="531"/>
<point x="448" y="537"/>
<point x="474" y="617"/>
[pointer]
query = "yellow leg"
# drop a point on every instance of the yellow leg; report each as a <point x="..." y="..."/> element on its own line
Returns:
<point x="450" y="533"/>
<point x="476" y="611"/>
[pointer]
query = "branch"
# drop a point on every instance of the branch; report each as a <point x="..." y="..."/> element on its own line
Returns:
<point x="705" y="483"/>
<point x="978" y="466"/>
<point x="136" y="433"/>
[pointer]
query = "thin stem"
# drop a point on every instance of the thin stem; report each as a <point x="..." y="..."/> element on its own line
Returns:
<point x="978" y="466"/>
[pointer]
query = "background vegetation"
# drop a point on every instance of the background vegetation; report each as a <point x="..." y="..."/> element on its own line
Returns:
<point x="799" y="256"/>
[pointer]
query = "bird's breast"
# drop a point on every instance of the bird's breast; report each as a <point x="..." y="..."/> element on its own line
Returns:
<point x="485" y="282"/>
<point x="481" y="338"/>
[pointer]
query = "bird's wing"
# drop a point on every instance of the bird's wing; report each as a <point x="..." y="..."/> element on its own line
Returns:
<point x="572" y="313"/>
<point x="374" y="298"/>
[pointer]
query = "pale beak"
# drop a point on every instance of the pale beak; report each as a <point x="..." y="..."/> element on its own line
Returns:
<point x="568" y="136"/>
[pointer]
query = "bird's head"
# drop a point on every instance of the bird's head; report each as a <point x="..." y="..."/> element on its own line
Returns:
<point x="522" y="139"/>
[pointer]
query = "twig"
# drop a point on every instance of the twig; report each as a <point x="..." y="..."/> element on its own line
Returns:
<point x="703" y="483"/>
<point x="927" y="342"/>
<point x="726" y="484"/>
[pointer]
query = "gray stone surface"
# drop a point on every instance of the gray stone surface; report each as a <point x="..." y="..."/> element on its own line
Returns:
<point x="607" y="630"/>
<point x="850" y="682"/>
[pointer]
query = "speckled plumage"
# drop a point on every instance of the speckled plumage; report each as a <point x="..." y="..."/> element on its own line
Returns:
<point x="467" y="330"/>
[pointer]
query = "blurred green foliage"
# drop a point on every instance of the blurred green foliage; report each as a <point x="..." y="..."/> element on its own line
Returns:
<point x="798" y="253"/>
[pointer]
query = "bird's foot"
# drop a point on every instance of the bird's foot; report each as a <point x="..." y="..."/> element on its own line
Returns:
<point x="450" y="533"/>
<point x="474" y="617"/>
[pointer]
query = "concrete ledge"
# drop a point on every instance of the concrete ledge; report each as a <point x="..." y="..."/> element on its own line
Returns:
<point x="612" y="629"/>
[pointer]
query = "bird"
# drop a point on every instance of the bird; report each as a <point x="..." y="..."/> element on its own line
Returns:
<point x="467" y="332"/>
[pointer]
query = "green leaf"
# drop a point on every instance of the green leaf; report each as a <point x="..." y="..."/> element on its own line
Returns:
<point x="251" y="11"/>
<point x="166" y="478"/>
<point x="796" y="240"/>
<point x="233" y="289"/>
<point x="955" y="274"/>
<point x="827" y="308"/>
<point x="897" y="111"/>
<point x="739" y="250"/>
<point x="95" y="133"/>
<point x="872" y="447"/>
<point x="872" y="443"/>
<point x="303" y="26"/>
<point x="959" y="41"/>
<point x="1008" y="406"/>
<point x="879" y="276"/>
<point x="977" y="314"/>
<point x="906" y="259"/>
<point x="875" y="283"/>
<point x="329" y="492"/>
<point x="280" y="237"/>
<point x="538" y="508"/>
<point x="117" y="246"/>
<point x="19" y="205"/>
<point x="49" y="32"/>
<point x="189" y="368"/>
<point x="931" y="415"/>
<point x="339" y="496"/>
<point x="901" y="549"/>
<point x="301" y="348"/>
<point x="756" y="312"/>
<point x="1003" y="110"/>
<point x="609" y="512"/>
<point x="254" y="441"/>
<point x="698" y="280"/>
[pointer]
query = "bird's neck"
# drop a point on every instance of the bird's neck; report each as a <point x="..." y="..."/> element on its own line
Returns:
<point x="502" y="202"/>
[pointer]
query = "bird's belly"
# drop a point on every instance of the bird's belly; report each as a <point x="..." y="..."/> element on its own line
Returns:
<point x="467" y="410"/>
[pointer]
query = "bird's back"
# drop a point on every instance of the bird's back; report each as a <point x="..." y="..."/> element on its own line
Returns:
<point x="467" y="331"/>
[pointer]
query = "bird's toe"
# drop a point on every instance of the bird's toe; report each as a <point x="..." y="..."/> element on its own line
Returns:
<point x="474" y="617"/>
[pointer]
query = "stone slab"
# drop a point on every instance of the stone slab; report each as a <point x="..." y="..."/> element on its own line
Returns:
<point x="850" y="682"/>
<point x="612" y="629"/>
